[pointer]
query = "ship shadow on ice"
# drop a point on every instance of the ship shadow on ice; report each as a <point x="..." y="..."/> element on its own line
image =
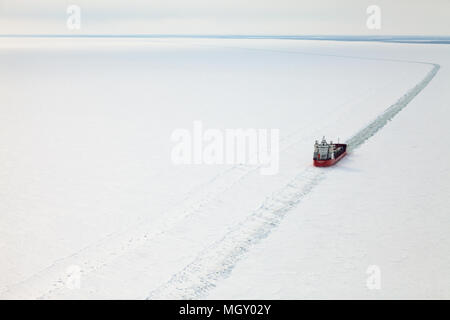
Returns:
<point x="348" y="163"/>
<point x="348" y="169"/>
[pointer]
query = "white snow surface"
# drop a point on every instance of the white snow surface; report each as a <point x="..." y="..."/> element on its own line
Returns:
<point x="86" y="178"/>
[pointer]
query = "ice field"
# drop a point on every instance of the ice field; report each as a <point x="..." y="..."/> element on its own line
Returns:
<point x="88" y="188"/>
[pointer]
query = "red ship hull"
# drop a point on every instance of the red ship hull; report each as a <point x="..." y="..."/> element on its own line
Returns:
<point x="329" y="162"/>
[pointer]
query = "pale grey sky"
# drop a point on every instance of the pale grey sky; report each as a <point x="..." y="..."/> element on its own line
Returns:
<point x="288" y="17"/>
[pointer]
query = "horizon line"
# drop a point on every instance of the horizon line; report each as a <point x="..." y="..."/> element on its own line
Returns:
<point x="379" y="38"/>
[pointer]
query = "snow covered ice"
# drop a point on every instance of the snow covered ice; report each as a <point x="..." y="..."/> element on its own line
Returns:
<point x="91" y="205"/>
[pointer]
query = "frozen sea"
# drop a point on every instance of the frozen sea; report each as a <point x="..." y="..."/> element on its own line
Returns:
<point x="88" y="188"/>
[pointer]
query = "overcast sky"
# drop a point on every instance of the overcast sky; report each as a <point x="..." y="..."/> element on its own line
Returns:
<point x="301" y="17"/>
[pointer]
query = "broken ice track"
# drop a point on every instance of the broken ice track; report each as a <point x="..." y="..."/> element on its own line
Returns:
<point x="216" y="261"/>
